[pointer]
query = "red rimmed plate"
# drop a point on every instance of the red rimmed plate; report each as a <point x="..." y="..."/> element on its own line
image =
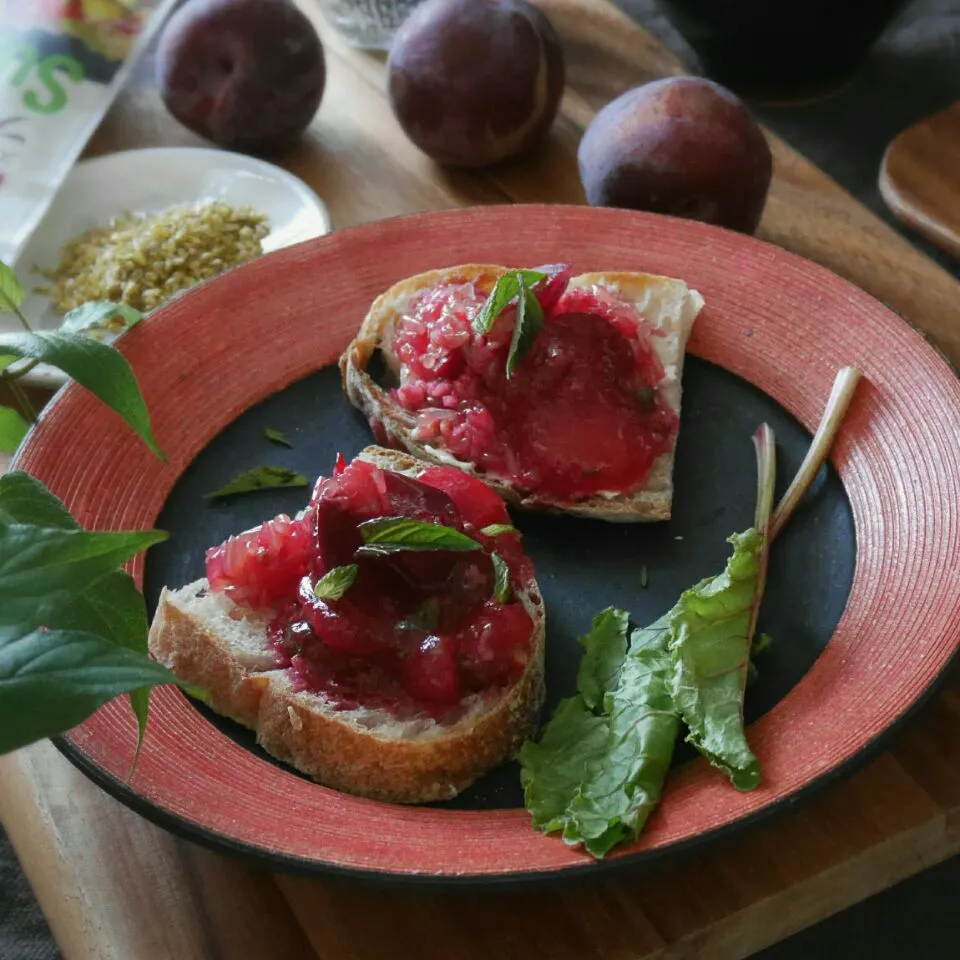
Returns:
<point x="773" y="321"/>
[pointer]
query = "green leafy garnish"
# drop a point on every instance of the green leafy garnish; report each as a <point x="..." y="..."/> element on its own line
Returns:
<point x="98" y="367"/>
<point x="501" y="578"/>
<point x="336" y="582"/>
<point x="277" y="436"/>
<point x="13" y="428"/>
<point x="529" y="324"/>
<point x="605" y="647"/>
<point x="11" y="293"/>
<point x="259" y="478"/>
<point x="97" y="315"/>
<point x="496" y="529"/>
<point x="386" y="535"/>
<point x="506" y="289"/>
<point x="24" y="499"/>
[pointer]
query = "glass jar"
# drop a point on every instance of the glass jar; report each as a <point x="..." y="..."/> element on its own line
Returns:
<point x="369" y="24"/>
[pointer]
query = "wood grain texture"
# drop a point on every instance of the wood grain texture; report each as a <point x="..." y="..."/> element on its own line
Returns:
<point x="899" y="815"/>
<point x="920" y="178"/>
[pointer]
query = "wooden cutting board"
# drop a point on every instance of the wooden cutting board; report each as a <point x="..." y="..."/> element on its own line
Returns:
<point x="114" y="886"/>
<point x="920" y="178"/>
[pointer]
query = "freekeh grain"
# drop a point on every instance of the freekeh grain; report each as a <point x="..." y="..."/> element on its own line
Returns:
<point x="142" y="260"/>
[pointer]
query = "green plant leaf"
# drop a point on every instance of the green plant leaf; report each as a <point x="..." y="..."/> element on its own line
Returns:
<point x="623" y="782"/>
<point x="5" y="362"/>
<point x="24" y="499"/>
<point x="386" y="535"/>
<point x="552" y="770"/>
<point x="504" y="291"/>
<point x="710" y="639"/>
<point x="51" y="680"/>
<point x="336" y="582"/>
<point x="13" y="428"/>
<point x="496" y="529"/>
<point x="605" y="646"/>
<point x="278" y="437"/>
<point x="42" y="569"/>
<point x="259" y="478"/>
<point x="501" y="578"/>
<point x="529" y="324"/>
<point x="11" y="293"/>
<point x="99" y="368"/>
<point x="100" y="315"/>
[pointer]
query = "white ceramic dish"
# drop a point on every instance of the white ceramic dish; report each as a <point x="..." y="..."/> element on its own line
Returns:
<point x="143" y="181"/>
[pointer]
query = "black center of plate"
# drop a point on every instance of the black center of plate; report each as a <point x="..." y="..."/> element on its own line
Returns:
<point x="582" y="565"/>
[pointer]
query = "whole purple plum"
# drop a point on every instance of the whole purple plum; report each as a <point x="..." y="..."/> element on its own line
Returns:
<point x="247" y="74"/>
<point x="473" y="82"/>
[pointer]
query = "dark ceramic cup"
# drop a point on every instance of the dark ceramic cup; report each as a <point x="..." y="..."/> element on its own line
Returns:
<point x="777" y="51"/>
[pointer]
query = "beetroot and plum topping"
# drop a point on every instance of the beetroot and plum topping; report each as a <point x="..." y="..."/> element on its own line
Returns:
<point x="389" y="592"/>
<point x="567" y="407"/>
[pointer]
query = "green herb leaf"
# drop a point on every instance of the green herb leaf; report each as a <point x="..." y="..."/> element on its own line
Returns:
<point x="5" y="362"/>
<point x="623" y="783"/>
<point x="100" y="315"/>
<point x="42" y="569"/>
<point x="529" y="324"/>
<point x="13" y="428"/>
<point x="260" y="478"/>
<point x="426" y="618"/>
<point x="504" y="290"/>
<point x="98" y="367"/>
<point x="278" y="437"/>
<point x="710" y="639"/>
<point x="336" y="582"/>
<point x="11" y="293"/>
<point x="496" y="529"/>
<point x="605" y="647"/>
<point x="51" y="680"/>
<point x="501" y="578"/>
<point x="386" y="535"/>
<point x="552" y="770"/>
<point x="24" y="499"/>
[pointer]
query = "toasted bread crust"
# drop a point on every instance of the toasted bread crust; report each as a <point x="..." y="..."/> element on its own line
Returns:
<point x="651" y="503"/>
<point x="348" y="750"/>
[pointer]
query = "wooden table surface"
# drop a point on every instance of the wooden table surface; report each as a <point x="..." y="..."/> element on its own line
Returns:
<point x="114" y="886"/>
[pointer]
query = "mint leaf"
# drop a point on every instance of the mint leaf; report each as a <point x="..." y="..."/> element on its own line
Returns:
<point x="42" y="569"/>
<point x="100" y="315"/>
<point x="605" y="647"/>
<point x="98" y="367"/>
<point x="501" y="578"/>
<point x="710" y="638"/>
<point x="623" y="782"/>
<point x="13" y="428"/>
<point x="336" y="582"/>
<point x="278" y="437"/>
<point x="386" y="535"/>
<point x="52" y="680"/>
<point x="259" y="478"/>
<point x="529" y="324"/>
<point x="495" y="529"/>
<point x="552" y="770"/>
<point x="11" y="293"/>
<point x="504" y="291"/>
<point x="24" y="499"/>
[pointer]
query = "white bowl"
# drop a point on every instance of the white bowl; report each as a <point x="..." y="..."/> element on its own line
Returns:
<point x="147" y="181"/>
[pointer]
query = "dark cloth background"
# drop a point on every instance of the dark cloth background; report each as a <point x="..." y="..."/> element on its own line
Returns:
<point x="913" y="71"/>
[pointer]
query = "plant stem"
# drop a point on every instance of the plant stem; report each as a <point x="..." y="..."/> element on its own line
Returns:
<point x="844" y="387"/>
<point x="15" y="374"/>
<point x="23" y="320"/>
<point x="21" y="397"/>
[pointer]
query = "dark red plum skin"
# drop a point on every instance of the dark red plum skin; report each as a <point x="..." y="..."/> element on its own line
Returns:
<point x="682" y="146"/>
<point x="473" y="82"/>
<point x="247" y="74"/>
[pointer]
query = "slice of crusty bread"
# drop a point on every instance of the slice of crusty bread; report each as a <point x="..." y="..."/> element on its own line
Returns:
<point x="210" y="642"/>
<point x="667" y="304"/>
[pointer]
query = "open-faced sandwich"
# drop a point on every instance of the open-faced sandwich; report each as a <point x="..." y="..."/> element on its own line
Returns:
<point x="387" y="642"/>
<point x="562" y="393"/>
